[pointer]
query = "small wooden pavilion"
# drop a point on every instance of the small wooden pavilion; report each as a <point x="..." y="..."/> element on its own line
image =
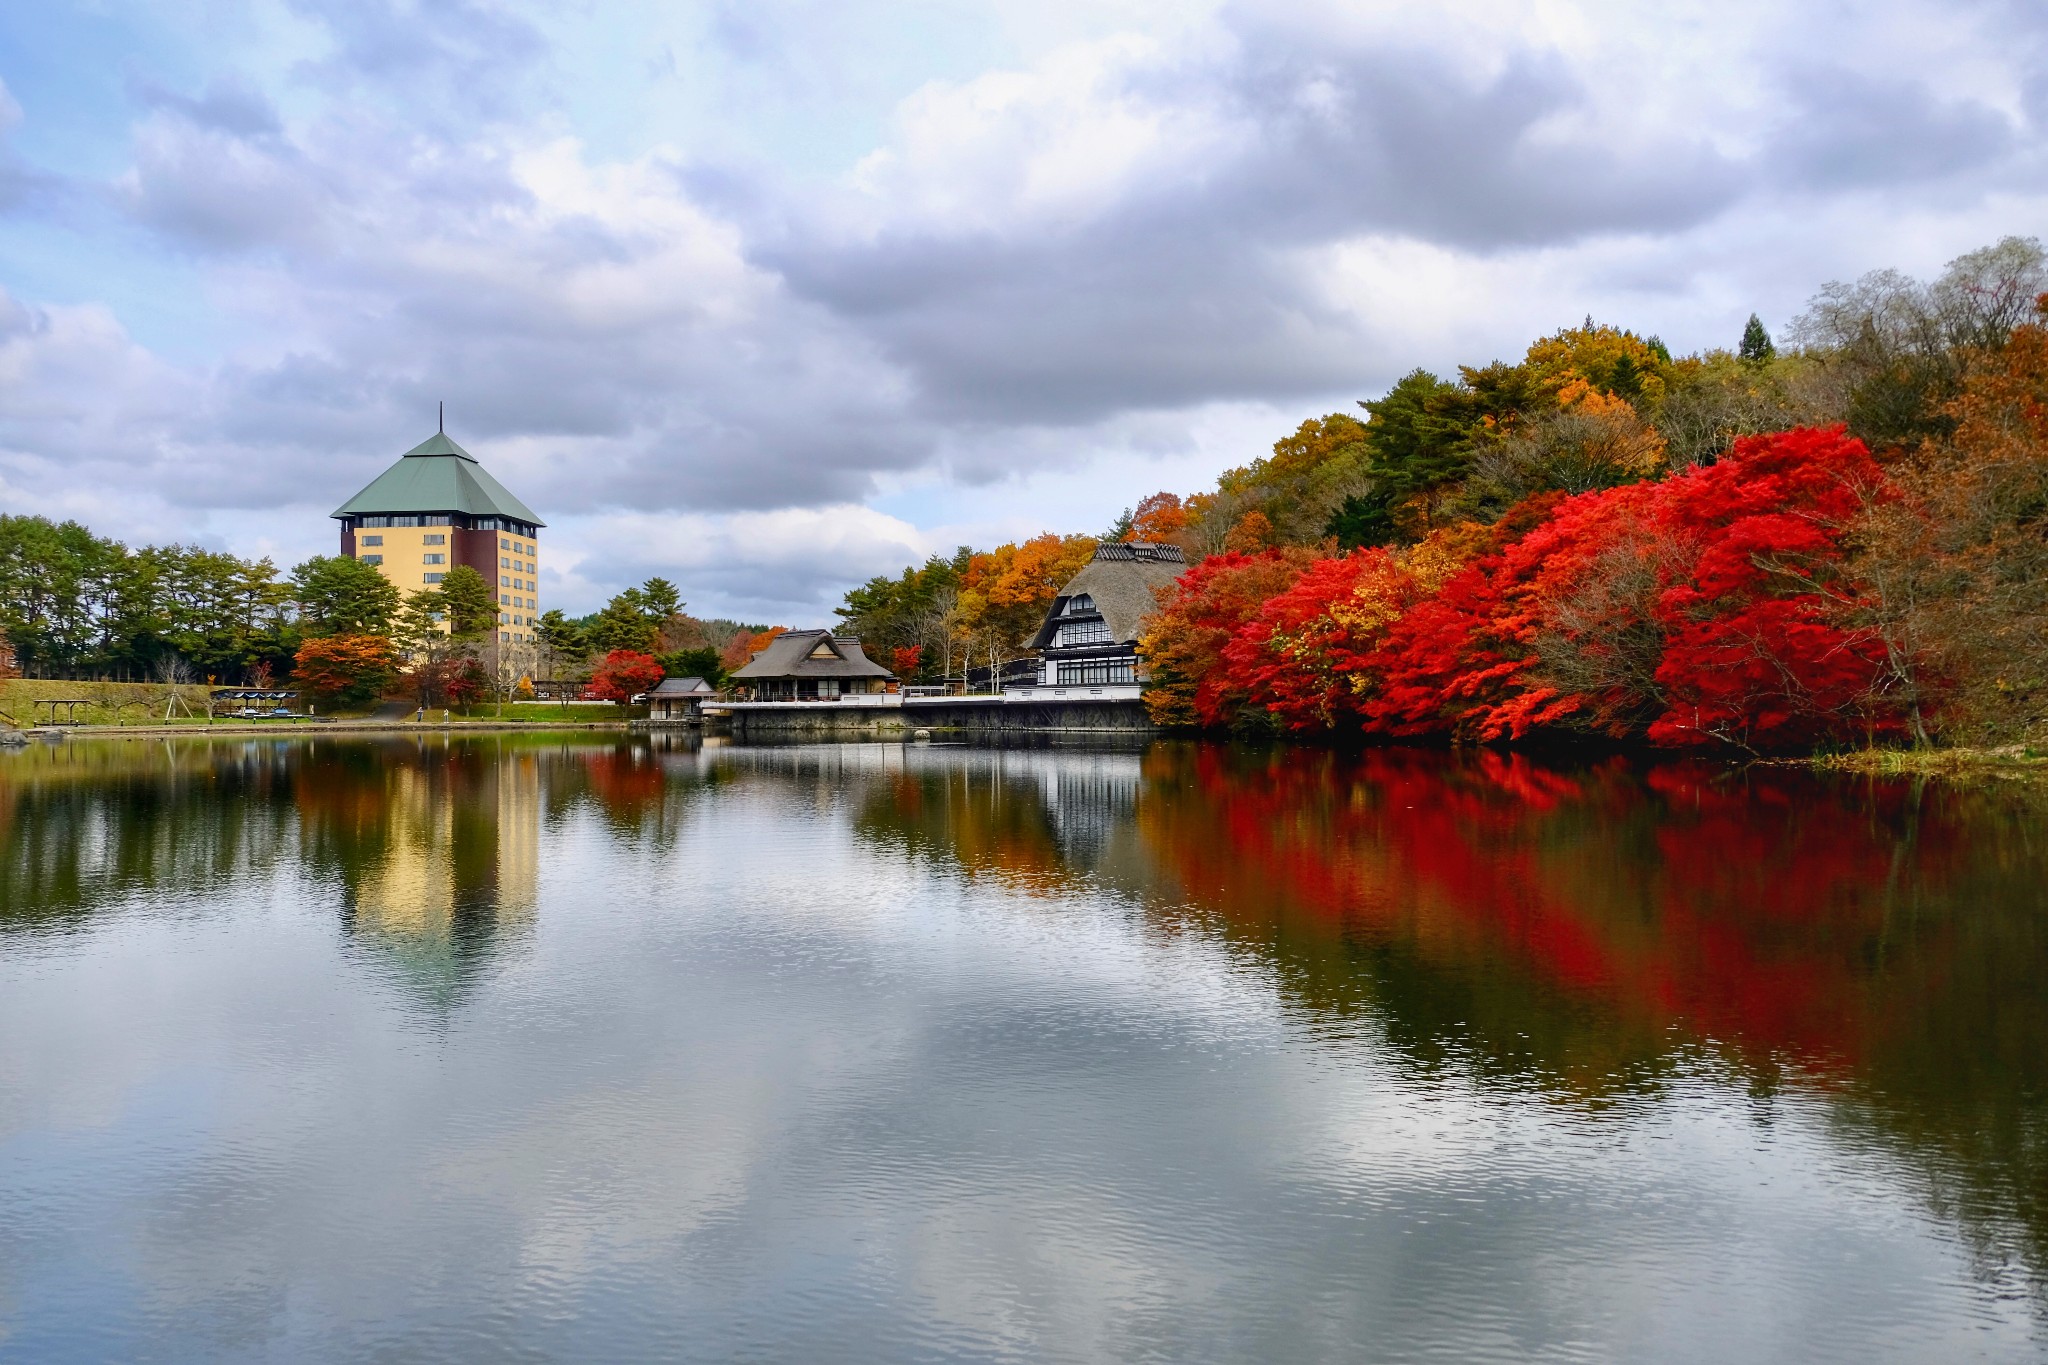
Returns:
<point x="679" y="701"/>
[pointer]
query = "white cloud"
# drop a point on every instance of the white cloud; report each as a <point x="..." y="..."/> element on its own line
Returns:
<point x="775" y="565"/>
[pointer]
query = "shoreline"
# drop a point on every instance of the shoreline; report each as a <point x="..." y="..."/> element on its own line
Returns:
<point x="2006" y="763"/>
<point x="2010" y="763"/>
<point x="311" y="731"/>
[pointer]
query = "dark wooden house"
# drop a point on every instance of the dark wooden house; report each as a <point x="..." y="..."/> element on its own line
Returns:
<point x="810" y="665"/>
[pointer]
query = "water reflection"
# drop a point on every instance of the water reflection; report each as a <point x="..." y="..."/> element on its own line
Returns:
<point x="430" y="849"/>
<point x="436" y="852"/>
<point x="1597" y="941"/>
<point x="1587" y="932"/>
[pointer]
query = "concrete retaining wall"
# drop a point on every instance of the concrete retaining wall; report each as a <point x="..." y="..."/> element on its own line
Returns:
<point x="942" y="714"/>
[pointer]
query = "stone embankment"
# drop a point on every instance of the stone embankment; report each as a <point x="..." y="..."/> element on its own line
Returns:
<point x="982" y="716"/>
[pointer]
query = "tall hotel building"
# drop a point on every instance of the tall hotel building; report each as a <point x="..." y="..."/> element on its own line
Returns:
<point x="437" y="508"/>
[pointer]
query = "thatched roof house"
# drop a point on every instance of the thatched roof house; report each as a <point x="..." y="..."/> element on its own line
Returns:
<point x="1090" y="634"/>
<point x="811" y="665"/>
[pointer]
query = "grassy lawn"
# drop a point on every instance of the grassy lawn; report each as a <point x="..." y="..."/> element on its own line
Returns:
<point x="107" y="703"/>
<point x="530" y="712"/>
<point x="136" y="704"/>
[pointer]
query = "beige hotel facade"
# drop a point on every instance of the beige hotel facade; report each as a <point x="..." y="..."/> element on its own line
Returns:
<point x="438" y="507"/>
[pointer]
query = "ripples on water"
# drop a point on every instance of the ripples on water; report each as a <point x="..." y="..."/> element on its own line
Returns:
<point x="579" y="1050"/>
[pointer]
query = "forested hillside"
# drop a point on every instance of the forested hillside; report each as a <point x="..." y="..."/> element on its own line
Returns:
<point x="1828" y="540"/>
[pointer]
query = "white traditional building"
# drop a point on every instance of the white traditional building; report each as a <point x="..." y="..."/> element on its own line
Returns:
<point x="1088" y="643"/>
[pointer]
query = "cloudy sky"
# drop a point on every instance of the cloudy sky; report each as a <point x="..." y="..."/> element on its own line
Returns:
<point x="772" y="295"/>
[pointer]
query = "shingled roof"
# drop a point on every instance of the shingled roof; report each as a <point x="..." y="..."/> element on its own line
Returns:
<point x="437" y="475"/>
<point x="811" y="654"/>
<point x="1126" y="579"/>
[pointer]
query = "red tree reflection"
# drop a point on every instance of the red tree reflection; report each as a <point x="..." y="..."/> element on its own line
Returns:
<point x="1749" y="909"/>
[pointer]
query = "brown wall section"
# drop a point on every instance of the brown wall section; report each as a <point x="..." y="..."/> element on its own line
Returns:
<point x="348" y="542"/>
<point x="479" y="550"/>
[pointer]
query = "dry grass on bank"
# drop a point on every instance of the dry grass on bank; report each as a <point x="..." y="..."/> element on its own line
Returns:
<point x="2012" y="762"/>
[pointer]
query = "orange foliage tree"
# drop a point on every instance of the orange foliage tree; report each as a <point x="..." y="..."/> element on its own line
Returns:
<point x="346" y="669"/>
<point x="1160" y="519"/>
<point x="1005" y="592"/>
<point x="744" y="647"/>
<point x="1956" y="572"/>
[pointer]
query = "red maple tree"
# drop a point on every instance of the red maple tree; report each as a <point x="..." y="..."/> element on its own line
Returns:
<point x="623" y="675"/>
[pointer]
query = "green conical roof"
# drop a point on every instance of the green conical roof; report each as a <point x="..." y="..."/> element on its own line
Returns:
<point x="437" y="475"/>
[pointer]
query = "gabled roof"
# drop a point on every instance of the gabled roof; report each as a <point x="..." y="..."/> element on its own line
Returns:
<point x="680" y="687"/>
<point x="1127" y="580"/>
<point x="437" y="475"/>
<point x="811" y="654"/>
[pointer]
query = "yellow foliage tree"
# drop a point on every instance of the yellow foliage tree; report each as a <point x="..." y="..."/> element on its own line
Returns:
<point x="1606" y="358"/>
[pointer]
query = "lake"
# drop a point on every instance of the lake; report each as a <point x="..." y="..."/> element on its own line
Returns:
<point x="579" y="1047"/>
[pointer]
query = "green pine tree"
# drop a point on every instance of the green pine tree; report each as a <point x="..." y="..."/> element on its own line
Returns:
<point x="660" y="598"/>
<point x="470" y="603"/>
<point x="1756" y="345"/>
<point x="562" y="635"/>
<point x="338" y="595"/>
<point x="1418" y="447"/>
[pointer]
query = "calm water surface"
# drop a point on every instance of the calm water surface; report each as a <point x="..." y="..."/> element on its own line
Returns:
<point x="580" y="1050"/>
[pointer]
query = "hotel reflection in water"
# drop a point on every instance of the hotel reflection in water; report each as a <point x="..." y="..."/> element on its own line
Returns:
<point x="454" y="875"/>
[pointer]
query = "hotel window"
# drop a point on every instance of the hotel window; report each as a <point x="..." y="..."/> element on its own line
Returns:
<point x="433" y="559"/>
<point x="532" y="586"/>
<point x="433" y="577"/>
<point x="369" y="540"/>
<point x="504" y="563"/>
<point x="373" y="559"/>
<point x="504" y="582"/>
<point x="504" y="601"/>
<point x="503" y="619"/>
<point x="433" y="540"/>
<point x="504" y="543"/>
